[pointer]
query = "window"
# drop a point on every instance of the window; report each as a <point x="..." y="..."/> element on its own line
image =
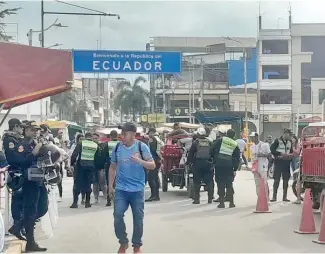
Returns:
<point x="321" y="95"/>
<point x="315" y="69"/>
<point x="275" y="71"/>
<point x="276" y="96"/>
<point x="275" y="47"/>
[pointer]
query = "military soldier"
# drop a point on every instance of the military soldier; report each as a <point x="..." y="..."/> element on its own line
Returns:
<point x="200" y="158"/>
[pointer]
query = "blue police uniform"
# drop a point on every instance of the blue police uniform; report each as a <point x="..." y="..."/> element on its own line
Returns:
<point x="34" y="193"/>
<point x="10" y="146"/>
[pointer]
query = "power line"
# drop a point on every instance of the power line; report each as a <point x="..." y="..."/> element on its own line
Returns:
<point x="78" y="6"/>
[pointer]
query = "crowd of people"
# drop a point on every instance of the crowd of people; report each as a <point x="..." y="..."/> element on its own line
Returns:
<point x="120" y="169"/>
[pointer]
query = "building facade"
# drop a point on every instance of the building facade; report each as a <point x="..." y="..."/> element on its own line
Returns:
<point x="204" y="81"/>
<point x="274" y="80"/>
<point x="291" y="75"/>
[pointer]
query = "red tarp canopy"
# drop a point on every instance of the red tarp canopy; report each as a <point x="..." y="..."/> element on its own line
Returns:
<point x="30" y="73"/>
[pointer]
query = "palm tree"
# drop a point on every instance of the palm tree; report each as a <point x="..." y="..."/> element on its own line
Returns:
<point x="66" y="103"/>
<point x="80" y="112"/>
<point x="131" y="99"/>
<point x="4" y="13"/>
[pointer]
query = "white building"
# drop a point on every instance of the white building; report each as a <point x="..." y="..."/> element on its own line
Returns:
<point x="291" y="75"/>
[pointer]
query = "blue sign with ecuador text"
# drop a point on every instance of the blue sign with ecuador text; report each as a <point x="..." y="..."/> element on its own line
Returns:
<point x="107" y="61"/>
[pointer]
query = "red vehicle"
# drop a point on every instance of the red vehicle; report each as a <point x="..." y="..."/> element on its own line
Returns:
<point x="174" y="172"/>
<point x="312" y="165"/>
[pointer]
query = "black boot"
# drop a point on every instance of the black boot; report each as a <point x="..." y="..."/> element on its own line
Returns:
<point x="222" y="202"/>
<point x="196" y="194"/>
<point x="210" y="193"/>
<point x="285" y="193"/>
<point x="87" y="203"/>
<point x="16" y="230"/>
<point x="75" y="200"/>
<point x="274" y="198"/>
<point x="31" y="245"/>
<point x="231" y="200"/>
<point x="108" y="203"/>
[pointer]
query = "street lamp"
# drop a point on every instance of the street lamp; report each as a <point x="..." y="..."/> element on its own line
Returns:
<point x="96" y="13"/>
<point x="31" y="32"/>
<point x="245" y="81"/>
<point x="55" y="45"/>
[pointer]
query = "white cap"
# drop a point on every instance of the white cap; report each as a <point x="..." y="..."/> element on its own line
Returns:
<point x="201" y="131"/>
<point x="253" y="134"/>
<point x="222" y="129"/>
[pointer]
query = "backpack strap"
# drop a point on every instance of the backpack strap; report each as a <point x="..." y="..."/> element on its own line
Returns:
<point x="139" y="147"/>
<point x="116" y="147"/>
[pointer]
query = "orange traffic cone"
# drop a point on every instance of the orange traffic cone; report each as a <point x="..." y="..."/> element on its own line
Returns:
<point x="307" y="223"/>
<point x="262" y="205"/>
<point x="321" y="236"/>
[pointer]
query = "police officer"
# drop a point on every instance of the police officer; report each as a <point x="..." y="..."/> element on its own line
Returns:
<point x="84" y="155"/>
<point x="200" y="158"/>
<point x="110" y="145"/>
<point x="282" y="151"/>
<point x="226" y="156"/>
<point x="10" y="146"/>
<point x="34" y="192"/>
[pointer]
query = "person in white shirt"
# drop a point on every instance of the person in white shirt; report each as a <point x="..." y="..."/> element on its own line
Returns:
<point x="242" y="147"/>
<point x="260" y="152"/>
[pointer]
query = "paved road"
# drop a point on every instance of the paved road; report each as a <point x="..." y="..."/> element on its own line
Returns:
<point x="175" y="225"/>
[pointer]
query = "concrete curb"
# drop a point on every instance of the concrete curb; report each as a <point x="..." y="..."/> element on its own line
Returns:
<point x="15" y="246"/>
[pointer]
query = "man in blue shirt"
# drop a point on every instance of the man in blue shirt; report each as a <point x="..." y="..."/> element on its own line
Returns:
<point x="129" y="160"/>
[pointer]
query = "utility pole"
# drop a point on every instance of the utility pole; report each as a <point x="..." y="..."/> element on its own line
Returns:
<point x="190" y="94"/>
<point x="245" y="85"/>
<point x="164" y="94"/>
<point x="202" y="85"/>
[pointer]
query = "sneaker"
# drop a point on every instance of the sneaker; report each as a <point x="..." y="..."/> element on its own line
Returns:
<point x="108" y="203"/>
<point x="60" y="199"/>
<point x="123" y="248"/>
<point x="137" y="250"/>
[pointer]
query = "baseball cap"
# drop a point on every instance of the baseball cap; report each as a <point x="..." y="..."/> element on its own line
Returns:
<point x="32" y="125"/>
<point x="253" y="134"/>
<point x="152" y="130"/>
<point x="15" y="121"/>
<point x="287" y="131"/>
<point x="45" y="127"/>
<point x="128" y="127"/>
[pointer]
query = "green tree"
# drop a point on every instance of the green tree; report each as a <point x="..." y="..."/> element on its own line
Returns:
<point x="80" y="113"/>
<point x="3" y="14"/>
<point x="66" y="103"/>
<point x="131" y="98"/>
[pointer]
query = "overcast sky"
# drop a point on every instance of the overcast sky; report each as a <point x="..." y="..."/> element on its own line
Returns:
<point x="141" y="20"/>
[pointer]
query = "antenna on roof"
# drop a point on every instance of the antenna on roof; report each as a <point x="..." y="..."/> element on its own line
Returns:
<point x="290" y="19"/>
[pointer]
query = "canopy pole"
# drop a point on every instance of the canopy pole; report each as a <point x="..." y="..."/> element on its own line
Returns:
<point x="6" y="115"/>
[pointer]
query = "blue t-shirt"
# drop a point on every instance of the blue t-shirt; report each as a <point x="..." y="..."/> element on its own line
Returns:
<point x="130" y="176"/>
